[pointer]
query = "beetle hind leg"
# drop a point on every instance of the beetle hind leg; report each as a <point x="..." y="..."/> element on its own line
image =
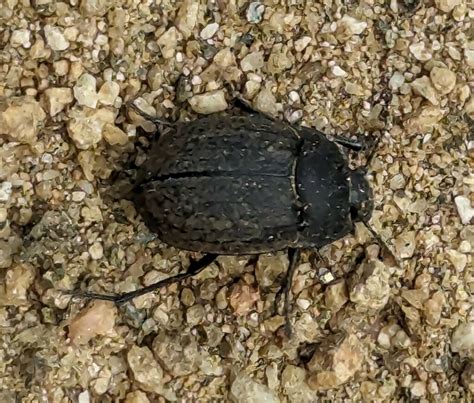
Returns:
<point x="293" y="258"/>
<point x="194" y="268"/>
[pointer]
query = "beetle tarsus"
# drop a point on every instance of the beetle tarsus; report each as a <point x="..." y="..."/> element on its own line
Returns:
<point x="194" y="268"/>
<point x="293" y="258"/>
<point x="156" y="121"/>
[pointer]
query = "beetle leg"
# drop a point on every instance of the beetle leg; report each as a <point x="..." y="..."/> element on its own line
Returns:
<point x="156" y="121"/>
<point x="348" y="143"/>
<point x="293" y="258"/>
<point x="194" y="268"/>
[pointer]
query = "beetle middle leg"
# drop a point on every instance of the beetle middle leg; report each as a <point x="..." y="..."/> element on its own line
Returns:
<point x="194" y="268"/>
<point x="294" y="256"/>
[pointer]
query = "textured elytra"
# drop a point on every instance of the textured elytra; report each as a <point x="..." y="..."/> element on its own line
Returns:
<point x="244" y="184"/>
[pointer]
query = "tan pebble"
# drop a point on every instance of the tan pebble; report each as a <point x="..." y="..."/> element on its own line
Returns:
<point x="210" y="102"/>
<point x="443" y="80"/>
<point x="96" y="251"/>
<point x="114" y="135"/>
<point x="85" y="91"/>
<point x="422" y="86"/>
<point x="97" y="319"/>
<point x="108" y="93"/>
<point x="57" y="99"/>
<point x="55" y="38"/>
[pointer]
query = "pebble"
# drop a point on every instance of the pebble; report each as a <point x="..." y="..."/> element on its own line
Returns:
<point x="293" y="381"/>
<point x="469" y="56"/>
<point x="423" y="86"/>
<point x="424" y="119"/>
<point x="335" y="362"/>
<point x="22" y="119"/>
<point x="265" y="102"/>
<point x="96" y="251"/>
<point x="447" y="5"/>
<point x="85" y="126"/>
<point x="83" y="397"/>
<point x="459" y="260"/>
<point x="270" y="268"/>
<point x="56" y="99"/>
<point x="245" y="390"/>
<point x="336" y="295"/>
<point x="209" y="102"/>
<point x="302" y="43"/>
<point x="467" y="377"/>
<point x="443" y="79"/>
<point x="168" y="42"/>
<point x="418" y="389"/>
<point x="136" y="397"/>
<point x="108" y="93"/>
<point x="55" y="38"/>
<point x="146" y="370"/>
<point x="465" y="210"/>
<point x="369" y="287"/>
<point x="98" y="319"/>
<point x="242" y="298"/>
<point x="420" y="52"/>
<point x="338" y="72"/>
<point x="352" y="25"/>
<point x="187" y="16"/>
<point x="255" y="12"/>
<point x="6" y="253"/>
<point x="209" y="31"/>
<point x="5" y="191"/>
<point x="114" y="135"/>
<point x="396" y="81"/>
<point x="85" y="91"/>
<point x="20" y="37"/>
<point x="195" y="314"/>
<point x="17" y="281"/>
<point x="405" y="245"/>
<point x="462" y="340"/>
<point x="252" y="62"/>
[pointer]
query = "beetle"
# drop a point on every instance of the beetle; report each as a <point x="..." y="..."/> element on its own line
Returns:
<point x="246" y="184"/>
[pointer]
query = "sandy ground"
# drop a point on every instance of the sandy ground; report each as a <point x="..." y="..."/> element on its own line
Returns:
<point x="366" y="328"/>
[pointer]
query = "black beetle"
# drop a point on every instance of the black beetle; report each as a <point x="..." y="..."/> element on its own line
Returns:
<point x="246" y="184"/>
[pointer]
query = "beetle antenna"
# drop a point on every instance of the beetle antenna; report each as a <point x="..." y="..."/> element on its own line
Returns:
<point x="373" y="150"/>
<point x="382" y="242"/>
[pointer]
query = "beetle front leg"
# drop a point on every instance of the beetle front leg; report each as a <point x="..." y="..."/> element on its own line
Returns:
<point x="294" y="256"/>
<point x="194" y="268"/>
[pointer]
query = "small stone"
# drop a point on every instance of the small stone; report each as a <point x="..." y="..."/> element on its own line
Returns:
<point x="369" y="287"/>
<point x="5" y="191"/>
<point x="405" y="245"/>
<point x="95" y="8"/>
<point x="187" y="16"/>
<point x="245" y="390"/>
<point x="397" y="182"/>
<point x="265" y="102"/>
<point x="462" y="340"/>
<point x="195" y="314"/>
<point x="469" y="56"/>
<point x="336" y="295"/>
<point x="97" y="319"/>
<point x="210" y="102"/>
<point x="270" y="268"/>
<point x="465" y="211"/>
<point x="418" y="389"/>
<point x="20" y="37"/>
<point x="467" y="377"/>
<point x="422" y="86"/>
<point x="17" y="281"/>
<point x="108" y="93"/>
<point x="255" y="12"/>
<point x="96" y="251"/>
<point x="5" y="255"/>
<point x="187" y="297"/>
<point x="146" y="371"/>
<point x="242" y="298"/>
<point x="447" y="5"/>
<point x="348" y="26"/>
<point x="83" y="397"/>
<point x="114" y="135"/>
<point x="78" y="196"/>
<point x="252" y="62"/>
<point x="458" y="259"/>
<point x="338" y="72"/>
<point x="433" y="308"/>
<point x="293" y="381"/>
<point x="444" y="80"/>
<point x="55" y="38"/>
<point x="424" y="119"/>
<point x="302" y="43"/>
<point x="335" y="362"/>
<point x="85" y="126"/>
<point x="420" y="52"/>
<point x="251" y="89"/>
<point x="168" y="42"/>
<point x="137" y="397"/>
<point x="22" y="120"/>
<point x="85" y="91"/>
<point x="56" y="99"/>
<point x="396" y="81"/>
<point x="209" y="31"/>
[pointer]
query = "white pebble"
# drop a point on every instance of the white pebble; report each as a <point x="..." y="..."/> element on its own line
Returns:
<point x="465" y="211"/>
<point x="209" y="31"/>
<point x="5" y="191"/>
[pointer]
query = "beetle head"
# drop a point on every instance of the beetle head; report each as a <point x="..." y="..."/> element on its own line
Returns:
<point x="360" y="199"/>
